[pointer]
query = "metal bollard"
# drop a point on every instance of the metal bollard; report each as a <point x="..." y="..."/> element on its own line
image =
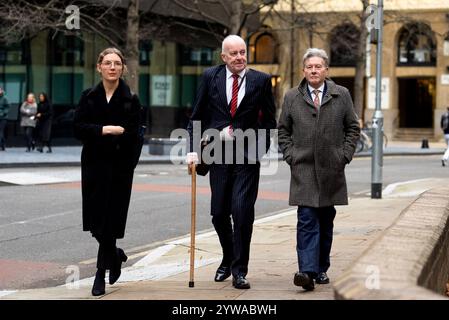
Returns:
<point x="425" y="144"/>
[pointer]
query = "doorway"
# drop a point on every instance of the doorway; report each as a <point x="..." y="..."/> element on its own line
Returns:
<point x="416" y="102"/>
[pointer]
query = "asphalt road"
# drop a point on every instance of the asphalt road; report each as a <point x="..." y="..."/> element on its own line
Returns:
<point x="40" y="225"/>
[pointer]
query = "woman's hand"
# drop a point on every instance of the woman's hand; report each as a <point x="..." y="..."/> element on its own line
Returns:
<point x="113" y="130"/>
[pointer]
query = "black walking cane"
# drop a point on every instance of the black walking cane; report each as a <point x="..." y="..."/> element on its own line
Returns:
<point x="193" y="218"/>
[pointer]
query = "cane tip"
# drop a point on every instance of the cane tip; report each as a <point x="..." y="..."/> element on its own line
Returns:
<point x="191" y="284"/>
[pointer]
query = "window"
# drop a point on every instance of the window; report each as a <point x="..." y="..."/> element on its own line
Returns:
<point x="14" y="54"/>
<point x="67" y="50"/>
<point x="416" y="45"/>
<point x="145" y="49"/>
<point x="343" y="45"/>
<point x="196" y="56"/>
<point x="262" y="48"/>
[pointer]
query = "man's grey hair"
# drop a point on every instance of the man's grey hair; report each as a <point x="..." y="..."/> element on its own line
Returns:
<point x="232" y="37"/>
<point x="315" y="52"/>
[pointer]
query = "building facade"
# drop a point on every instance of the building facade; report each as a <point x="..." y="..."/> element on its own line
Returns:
<point x="415" y="60"/>
<point x="63" y="66"/>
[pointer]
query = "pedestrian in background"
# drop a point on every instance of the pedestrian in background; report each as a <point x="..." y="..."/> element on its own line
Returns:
<point x="28" y="111"/>
<point x="107" y="121"/>
<point x="4" y="109"/>
<point x="318" y="130"/>
<point x="445" y="127"/>
<point x="44" y="118"/>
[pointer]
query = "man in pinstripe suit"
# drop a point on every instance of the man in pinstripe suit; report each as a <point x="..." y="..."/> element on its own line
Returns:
<point x="233" y="97"/>
<point x="318" y="130"/>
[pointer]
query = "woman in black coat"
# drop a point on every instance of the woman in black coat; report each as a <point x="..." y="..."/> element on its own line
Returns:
<point x="44" y="118"/>
<point x="107" y="121"/>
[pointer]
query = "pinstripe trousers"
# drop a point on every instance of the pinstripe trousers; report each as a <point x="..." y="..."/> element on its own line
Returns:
<point x="234" y="191"/>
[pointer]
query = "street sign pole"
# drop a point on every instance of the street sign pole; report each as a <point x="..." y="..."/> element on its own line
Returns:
<point x="377" y="124"/>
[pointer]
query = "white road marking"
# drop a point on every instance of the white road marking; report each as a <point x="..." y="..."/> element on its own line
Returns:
<point x="33" y="178"/>
<point x="390" y="189"/>
<point x="40" y="218"/>
<point x="4" y="293"/>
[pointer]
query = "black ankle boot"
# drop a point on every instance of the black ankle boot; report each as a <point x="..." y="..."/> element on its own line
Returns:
<point x="116" y="269"/>
<point x="98" y="288"/>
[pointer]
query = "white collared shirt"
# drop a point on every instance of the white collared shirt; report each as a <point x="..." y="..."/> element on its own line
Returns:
<point x="230" y="80"/>
<point x="320" y="94"/>
<point x="224" y="134"/>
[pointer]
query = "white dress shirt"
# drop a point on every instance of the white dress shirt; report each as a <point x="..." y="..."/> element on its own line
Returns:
<point x="320" y="94"/>
<point x="224" y="134"/>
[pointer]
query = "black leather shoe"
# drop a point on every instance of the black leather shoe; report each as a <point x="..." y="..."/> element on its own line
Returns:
<point x="240" y="283"/>
<point x="116" y="270"/>
<point x="304" y="280"/>
<point x="222" y="273"/>
<point x="322" y="278"/>
<point x="98" y="288"/>
<point x="443" y="163"/>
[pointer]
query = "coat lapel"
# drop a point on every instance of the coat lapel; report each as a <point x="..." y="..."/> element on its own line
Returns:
<point x="250" y="83"/>
<point x="221" y="87"/>
<point x="331" y="90"/>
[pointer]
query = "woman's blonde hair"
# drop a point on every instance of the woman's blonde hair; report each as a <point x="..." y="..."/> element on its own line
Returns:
<point x="31" y="94"/>
<point x="117" y="52"/>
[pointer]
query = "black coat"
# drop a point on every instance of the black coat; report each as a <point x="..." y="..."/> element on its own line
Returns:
<point x="107" y="162"/>
<point x="44" y="121"/>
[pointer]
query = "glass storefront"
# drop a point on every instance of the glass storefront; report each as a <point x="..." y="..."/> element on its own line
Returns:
<point x="64" y="65"/>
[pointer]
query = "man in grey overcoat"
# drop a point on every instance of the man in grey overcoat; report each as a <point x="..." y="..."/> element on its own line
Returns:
<point x="318" y="129"/>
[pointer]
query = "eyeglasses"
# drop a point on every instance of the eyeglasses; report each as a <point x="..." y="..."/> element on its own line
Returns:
<point x="109" y="64"/>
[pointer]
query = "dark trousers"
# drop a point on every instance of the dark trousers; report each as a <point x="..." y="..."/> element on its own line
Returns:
<point x="314" y="238"/>
<point x="2" y="132"/>
<point x="29" y="138"/>
<point x="234" y="191"/>
<point x="107" y="252"/>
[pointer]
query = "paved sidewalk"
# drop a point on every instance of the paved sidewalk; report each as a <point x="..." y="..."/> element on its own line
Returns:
<point x="163" y="274"/>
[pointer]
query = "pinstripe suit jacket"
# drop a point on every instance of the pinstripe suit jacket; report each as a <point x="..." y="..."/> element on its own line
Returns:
<point x="318" y="144"/>
<point x="211" y="107"/>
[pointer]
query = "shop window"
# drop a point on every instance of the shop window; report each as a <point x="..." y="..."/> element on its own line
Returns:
<point x="343" y="45"/>
<point x="416" y="45"/>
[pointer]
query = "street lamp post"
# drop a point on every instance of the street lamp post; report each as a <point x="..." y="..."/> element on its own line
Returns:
<point x="377" y="124"/>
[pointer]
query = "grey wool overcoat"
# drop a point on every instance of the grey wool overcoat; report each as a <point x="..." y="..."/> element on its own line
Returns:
<point x="318" y="144"/>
